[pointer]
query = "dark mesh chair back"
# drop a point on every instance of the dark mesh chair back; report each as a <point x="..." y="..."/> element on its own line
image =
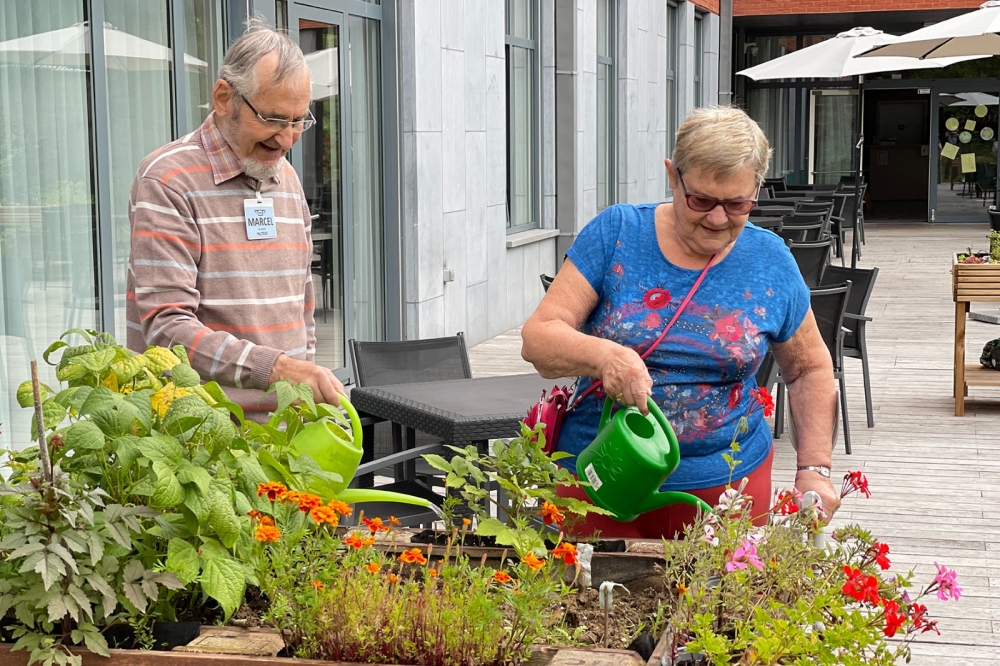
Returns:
<point x="862" y="284"/>
<point x="410" y="361"/>
<point x="793" y="235"/>
<point x="812" y="259"/>
<point x="767" y="373"/>
<point x="776" y="184"/>
<point x="828" y="305"/>
<point x="546" y="281"/>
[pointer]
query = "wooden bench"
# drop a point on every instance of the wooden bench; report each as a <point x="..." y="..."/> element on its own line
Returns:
<point x="971" y="283"/>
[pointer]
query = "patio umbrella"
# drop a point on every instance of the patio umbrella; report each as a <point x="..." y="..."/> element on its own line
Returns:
<point x="323" y="69"/>
<point x="835" y="59"/>
<point x="973" y="99"/>
<point x="64" y="48"/>
<point x="974" y="33"/>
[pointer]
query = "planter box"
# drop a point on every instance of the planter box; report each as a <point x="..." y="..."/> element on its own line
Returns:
<point x="974" y="282"/>
<point x="642" y="557"/>
<point x="543" y="657"/>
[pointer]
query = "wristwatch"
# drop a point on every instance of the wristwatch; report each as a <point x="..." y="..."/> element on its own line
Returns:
<point x="822" y="470"/>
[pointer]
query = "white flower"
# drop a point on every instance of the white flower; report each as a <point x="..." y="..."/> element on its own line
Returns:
<point x="757" y="536"/>
<point x="710" y="537"/>
<point x="730" y="501"/>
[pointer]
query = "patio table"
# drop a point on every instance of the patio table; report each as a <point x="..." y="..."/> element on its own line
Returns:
<point x="459" y="411"/>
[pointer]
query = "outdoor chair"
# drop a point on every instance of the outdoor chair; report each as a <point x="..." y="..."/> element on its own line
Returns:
<point x="855" y="345"/>
<point x="767" y="373"/>
<point x="828" y="305"/>
<point x="794" y="234"/>
<point x="407" y="362"/>
<point x="986" y="183"/>
<point x="546" y="281"/>
<point x="776" y="184"/>
<point x="812" y="259"/>
<point x="816" y="225"/>
<point x="847" y="221"/>
<point x="839" y="200"/>
<point x="854" y="220"/>
<point x="814" y="208"/>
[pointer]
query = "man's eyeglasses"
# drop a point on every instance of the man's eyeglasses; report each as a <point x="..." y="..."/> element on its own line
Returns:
<point x="704" y="204"/>
<point x="279" y="124"/>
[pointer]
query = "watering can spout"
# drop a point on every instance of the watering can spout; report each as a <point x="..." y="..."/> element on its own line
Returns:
<point x="666" y="497"/>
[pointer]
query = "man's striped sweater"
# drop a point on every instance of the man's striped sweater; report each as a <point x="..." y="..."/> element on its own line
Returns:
<point x="195" y="279"/>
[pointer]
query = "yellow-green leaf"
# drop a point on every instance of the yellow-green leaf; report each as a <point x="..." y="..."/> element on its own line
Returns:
<point x="26" y="398"/>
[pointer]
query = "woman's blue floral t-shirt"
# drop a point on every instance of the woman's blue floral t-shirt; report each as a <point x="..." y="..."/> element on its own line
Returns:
<point x="703" y="370"/>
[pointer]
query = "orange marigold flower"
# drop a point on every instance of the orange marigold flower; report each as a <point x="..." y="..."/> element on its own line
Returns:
<point x="502" y="577"/>
<point x="267" y="533"/>
<point x="533" y="562"/>
<point x="367" y="541"/>
<point x="551" y="514"/>
<point x="267" y="520"/>
<point x="324" y="514"/>
<point x="308" y="502"/>
<point x="413" y="556"/>
<point x="393" y="578"/>
<point x="375" y="525"/>
<point x="466" y="522"/>
<point x="318" y="585"/>
<point x="565" y="552"/>
<point x="273" y="489"/>
<point x="373" y="568"/>
<point x="433" y="573"/>
<point x="343" y="508"/>
<point x="393" y="520"/>
<point x="353" y="541"/>
<point x="254" y="513"/>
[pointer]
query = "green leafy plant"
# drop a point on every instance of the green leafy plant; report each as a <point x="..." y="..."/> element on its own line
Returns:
<point x="359" y="598"/>
<point x="769" y="595"/>
<point x="528" y="477"/>
<point x="995" y="246"/>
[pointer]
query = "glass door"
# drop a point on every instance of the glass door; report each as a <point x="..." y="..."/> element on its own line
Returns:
<point x="319" y="160"/>
<point x="965" y="136"/>
<point x="833" y="114"/>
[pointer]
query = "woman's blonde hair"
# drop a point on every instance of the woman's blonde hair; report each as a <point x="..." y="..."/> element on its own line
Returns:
<point x="719" y="141"/>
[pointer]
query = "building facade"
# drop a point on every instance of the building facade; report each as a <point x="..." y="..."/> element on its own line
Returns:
<point x="460" y="147"/>
<point x="909" y="119"/>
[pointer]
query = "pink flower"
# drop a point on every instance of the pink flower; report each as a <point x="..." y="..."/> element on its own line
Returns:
<point x="744" y="555"/>
<point x="947" y="585"/>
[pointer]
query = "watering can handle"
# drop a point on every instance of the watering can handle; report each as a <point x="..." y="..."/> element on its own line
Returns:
<point x="654" y="409"/>
<point x="352" y="415"/>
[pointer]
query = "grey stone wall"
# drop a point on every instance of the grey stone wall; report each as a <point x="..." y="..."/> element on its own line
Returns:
<point x="454" y="164"/>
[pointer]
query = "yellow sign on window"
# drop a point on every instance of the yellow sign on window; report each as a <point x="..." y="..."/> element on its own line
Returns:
<point x="970" y="125"/>
<point x="968" y="162"/>
<point x="949" y="151"/>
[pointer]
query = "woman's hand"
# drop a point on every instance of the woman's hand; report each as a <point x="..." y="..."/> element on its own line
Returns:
<point x="806" y="480"/>
<point x="626" y="378"/>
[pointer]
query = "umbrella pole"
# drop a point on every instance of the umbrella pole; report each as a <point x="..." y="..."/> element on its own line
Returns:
<point x="858" y="151"/>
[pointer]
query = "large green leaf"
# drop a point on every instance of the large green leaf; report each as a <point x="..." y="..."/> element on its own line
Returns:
<point x="199" y="476"/>
<point x="96" y="361"/>
<point x="168" y="492"/>
<point x="100" y="397"/>
<point x="162" y="448"/>
<point x="55" y="346"/>
<point x="222" y="518"/>
<point x="186" y="412"/>
<point x="126" y="448"/>
<point x="128" y="367"/>
<point x="224" y="580"/>
<point x="112" y="422"/>
<point x="83" y="436"/>
<point x="182" y="560"/>
<point x="196" y="509"/>
<point x="185" y="376"/>
<point x="74" y="396"/>
<point x="143" y="406"/>
<point x="25" y="395"/>
<point x="52" y="415"/>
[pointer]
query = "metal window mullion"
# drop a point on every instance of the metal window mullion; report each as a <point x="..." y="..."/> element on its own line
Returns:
<point x="605" y="60"/>
<point x="178" y="85"/>
<point x="102" y="164"/>
<point x="521" y="42"/>
<point x="536" y="119"/>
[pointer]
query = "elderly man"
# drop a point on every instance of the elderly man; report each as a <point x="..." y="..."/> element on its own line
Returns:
<point x="221" y="247"/>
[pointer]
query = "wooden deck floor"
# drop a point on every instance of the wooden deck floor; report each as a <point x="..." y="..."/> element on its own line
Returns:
<point x="935" y="478"/>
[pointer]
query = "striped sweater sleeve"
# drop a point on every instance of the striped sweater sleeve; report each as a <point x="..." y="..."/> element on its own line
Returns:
<point x="165" y="252"/>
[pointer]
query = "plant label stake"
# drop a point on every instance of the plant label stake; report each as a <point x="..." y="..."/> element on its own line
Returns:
<point x="605" y="599"/>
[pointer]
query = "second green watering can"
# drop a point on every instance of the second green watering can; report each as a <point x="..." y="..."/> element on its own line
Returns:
<point x="629" y="460"/>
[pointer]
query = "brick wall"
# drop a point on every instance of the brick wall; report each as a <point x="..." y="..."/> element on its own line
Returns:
<point x="713" y="5"/>
<point x="771" y="7"/>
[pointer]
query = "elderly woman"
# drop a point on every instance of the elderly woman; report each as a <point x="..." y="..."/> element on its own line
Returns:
<point x="625" y="278"/>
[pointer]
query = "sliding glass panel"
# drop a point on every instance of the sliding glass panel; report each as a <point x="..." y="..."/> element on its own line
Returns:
<point x="366" y="155"/>
<point x="769" y="107"/>
<point x="138" y="59"/>
<point x="521" y="162"/>
<point x="47" y="263"/>
<point x="833" y="126"/>
<point x="202" y="56"/>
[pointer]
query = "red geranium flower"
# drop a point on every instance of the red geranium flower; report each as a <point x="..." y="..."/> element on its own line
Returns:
<point x="893" y="618"/>
<point x="855" y="482"/>
<point x="656" y="298"/>
<point x="880" y="550"/>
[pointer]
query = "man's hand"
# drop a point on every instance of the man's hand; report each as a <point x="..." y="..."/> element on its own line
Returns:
<point x="325" y="385"/>
<point x="806" y="480"/>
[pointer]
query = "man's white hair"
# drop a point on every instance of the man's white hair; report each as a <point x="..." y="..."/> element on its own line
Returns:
<point x="239" y="69"/>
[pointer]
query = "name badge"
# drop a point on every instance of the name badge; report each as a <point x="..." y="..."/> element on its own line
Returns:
<point x="259" y="216"/>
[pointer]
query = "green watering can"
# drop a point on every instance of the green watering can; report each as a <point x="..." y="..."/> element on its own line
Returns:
<point x="629" y="460"/>
<point x="336" y="450"/>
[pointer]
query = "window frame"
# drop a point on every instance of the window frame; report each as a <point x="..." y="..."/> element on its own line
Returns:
<point x="610" y="142"/>
<point x="532" y="47"/>
<point x="699" y="58"/>
<point x="670" y="86"/>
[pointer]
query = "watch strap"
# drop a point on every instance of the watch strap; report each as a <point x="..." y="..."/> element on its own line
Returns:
<point x="819" y="469"/>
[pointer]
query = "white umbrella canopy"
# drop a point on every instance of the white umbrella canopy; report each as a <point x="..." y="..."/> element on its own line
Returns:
<point x="67" y="46"/>
<point x="835" y="58"/>
<point x="974" y="33"/>
<point x="323" y="69"/>
<point x="974" y="99"/>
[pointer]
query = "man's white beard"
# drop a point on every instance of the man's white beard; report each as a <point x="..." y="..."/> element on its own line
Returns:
<point x="258" y="171"/>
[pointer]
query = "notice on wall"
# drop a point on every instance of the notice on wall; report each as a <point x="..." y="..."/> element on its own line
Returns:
<point x="968" y="162"/>
<point x="949" y="151"/>
<point x="981" y="111"/>
<point x="970" y="125"/>
<point x="951" y="124"/>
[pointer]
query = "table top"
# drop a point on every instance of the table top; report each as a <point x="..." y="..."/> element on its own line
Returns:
<point x="765" y="222"/>
<point x="459" y="411"/>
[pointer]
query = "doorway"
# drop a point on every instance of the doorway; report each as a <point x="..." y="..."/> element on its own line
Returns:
<point x="897" y="154"/>
<point x="965" y="137"/>
<point x="340" y="164"/>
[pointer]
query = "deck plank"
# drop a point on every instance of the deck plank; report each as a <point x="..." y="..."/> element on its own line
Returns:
<point x="935" y="477"/>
